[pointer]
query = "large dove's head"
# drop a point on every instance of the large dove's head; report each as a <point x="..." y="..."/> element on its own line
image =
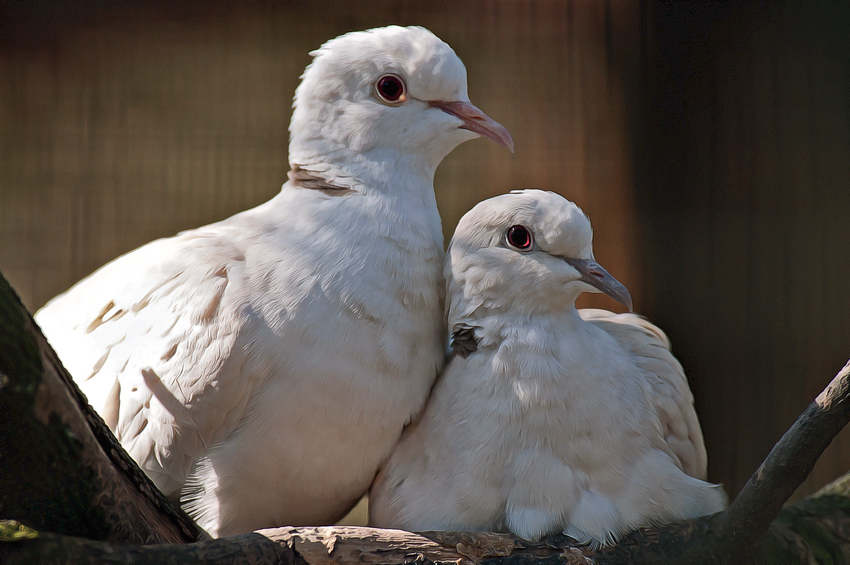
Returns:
<point x="390" y="94"/>
<point x="529" y="252"/>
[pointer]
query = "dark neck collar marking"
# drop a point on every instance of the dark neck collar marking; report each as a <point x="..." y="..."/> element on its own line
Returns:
<point x="463" y="340"/>
<point x="302" y="178"/>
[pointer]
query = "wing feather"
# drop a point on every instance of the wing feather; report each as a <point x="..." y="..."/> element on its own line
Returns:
<point x="671" y="395"/>
<point x="153" y="333"/>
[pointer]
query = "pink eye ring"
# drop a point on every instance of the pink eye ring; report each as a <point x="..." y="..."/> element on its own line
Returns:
<point x="391" y="89"/>
<point x="519" y="237"/>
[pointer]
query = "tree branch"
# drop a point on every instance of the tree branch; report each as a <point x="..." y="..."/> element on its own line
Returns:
<point x="62" y="469"/>
<point x="788" y="464"/>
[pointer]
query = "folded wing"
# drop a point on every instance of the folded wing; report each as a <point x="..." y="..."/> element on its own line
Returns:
<point x="155" y="333"/>
<point x="672" y="398"/>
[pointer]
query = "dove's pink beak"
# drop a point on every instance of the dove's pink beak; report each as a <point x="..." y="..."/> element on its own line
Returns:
<point x="477" y="121"/>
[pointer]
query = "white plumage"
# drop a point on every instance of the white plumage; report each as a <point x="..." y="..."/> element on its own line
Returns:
<point x="546" y="418"/>
<point x="262" y="367"/>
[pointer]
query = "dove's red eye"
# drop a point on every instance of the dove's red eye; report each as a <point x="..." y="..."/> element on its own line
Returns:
<point x="519" y="237"/>
<point x="391" y="89"/>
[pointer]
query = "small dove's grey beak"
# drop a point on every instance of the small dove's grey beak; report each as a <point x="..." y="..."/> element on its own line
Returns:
<point x="596" y="276"/>
<point x="477" y="121"/>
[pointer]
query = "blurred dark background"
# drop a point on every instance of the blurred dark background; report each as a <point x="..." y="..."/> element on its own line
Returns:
<point x="709" y="143"/>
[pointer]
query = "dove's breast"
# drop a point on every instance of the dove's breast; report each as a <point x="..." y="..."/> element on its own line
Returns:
<point x="350" y="338"/>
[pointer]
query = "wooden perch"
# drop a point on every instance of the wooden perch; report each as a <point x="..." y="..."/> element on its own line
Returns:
<point x="62" y="469"/>
<point x="81" y="499"/>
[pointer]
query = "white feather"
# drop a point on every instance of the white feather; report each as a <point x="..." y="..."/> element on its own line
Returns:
<point x="262" y="367"/>
<point x="562" y="420"/>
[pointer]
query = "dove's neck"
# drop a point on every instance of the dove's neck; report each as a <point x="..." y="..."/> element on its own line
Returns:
<point x="404" y="182"/>
<point x="377" y="169"/>
<point x="527" y="330"/>
<point x="481" y="296"/>
<point x="399" y="187"/>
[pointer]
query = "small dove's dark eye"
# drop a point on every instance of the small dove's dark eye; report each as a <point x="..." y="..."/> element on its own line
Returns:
<point x="391" y="89"/>
<point x="519" y="237"/>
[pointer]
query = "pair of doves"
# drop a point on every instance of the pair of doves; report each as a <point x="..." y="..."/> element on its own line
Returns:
<point x="262" y="369"/>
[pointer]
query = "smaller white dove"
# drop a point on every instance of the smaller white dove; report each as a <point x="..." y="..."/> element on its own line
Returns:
<point x="547" y="418"/>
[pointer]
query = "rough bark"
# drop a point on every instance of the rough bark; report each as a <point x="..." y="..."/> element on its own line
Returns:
<point x="82" y="497"/>
<point x="788" y="464"/>
<point x="61" y="469"/>
<point x="814" y="531"/>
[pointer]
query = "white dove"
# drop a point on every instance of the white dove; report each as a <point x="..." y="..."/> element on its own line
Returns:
<point x="262" y="367"/>
<point x="546" y="418"/>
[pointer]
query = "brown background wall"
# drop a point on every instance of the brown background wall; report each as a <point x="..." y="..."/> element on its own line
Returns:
<point x="710" y="146"/>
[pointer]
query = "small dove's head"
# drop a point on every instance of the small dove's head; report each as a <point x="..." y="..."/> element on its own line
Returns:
<point x="392" y="92"/>
<point x="529" y="252"/>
